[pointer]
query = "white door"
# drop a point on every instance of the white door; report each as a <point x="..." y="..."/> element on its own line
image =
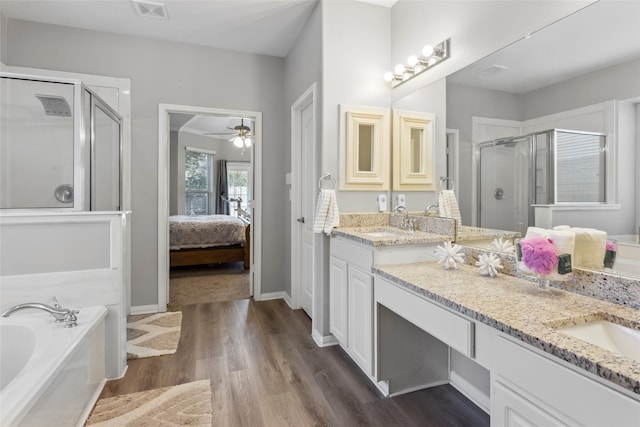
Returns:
<point x="308" y="192"/>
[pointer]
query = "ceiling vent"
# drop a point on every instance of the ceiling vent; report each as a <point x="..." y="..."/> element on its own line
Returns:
<point x="493" y="69"/>
<point x="149" y="9"/>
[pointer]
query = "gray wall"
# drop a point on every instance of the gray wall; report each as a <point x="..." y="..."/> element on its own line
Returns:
<point x="303" y="67"/>
<point x="3" y="38"/>
<point x="172" y="73"/>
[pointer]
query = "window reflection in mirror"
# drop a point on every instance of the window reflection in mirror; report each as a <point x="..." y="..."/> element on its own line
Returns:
<point x="580" y="167"/>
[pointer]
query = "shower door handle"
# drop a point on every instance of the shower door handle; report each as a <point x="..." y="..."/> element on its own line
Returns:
<point x="300" y="220"/>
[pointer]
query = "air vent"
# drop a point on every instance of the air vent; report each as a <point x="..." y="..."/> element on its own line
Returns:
<point x="494" y="69"/>
<point x="149" y="9"/>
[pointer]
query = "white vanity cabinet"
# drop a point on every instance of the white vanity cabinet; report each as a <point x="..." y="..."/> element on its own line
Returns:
<point x="351" y="292"/>
<point x="531" y="389"/>
<point x="351" y="301"/>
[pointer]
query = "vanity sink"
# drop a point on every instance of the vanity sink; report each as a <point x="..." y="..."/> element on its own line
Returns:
<point x="608" y="335"/>
<point x="384" y="233"/>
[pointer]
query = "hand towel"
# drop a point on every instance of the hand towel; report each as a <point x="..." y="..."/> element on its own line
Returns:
<point x="448" y="205"/>
<point x="327" y="214"/>
<point x="590" y="247"/>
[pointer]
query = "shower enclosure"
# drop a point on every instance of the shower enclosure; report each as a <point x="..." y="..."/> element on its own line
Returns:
<point x="549" y="167"/>
<point x="60" y="146"/>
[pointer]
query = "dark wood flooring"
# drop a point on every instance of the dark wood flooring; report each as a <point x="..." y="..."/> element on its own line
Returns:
<point x="265" y="370"/>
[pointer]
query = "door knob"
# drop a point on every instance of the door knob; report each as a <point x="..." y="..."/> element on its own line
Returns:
<point x="300" y="220"/>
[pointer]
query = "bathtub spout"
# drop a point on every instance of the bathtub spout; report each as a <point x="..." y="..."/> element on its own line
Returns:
<point x="60" y="314"/>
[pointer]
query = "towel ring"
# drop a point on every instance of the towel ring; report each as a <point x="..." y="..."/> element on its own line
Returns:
<point x="444" y="179"/>
<point x="327" y="177"/>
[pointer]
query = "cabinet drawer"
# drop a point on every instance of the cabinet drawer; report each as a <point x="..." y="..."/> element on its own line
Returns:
<point x="451" y="329"/>
<point x="353" y="254"/>
<point x="560" y="387"/>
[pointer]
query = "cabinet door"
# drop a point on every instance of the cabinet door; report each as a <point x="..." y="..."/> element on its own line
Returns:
<point x="509" y="409"/>
<point x="360" y="320"/>
<point x="338" y="299"/>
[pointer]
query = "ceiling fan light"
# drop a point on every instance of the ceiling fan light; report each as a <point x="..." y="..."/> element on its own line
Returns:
<point x="247" y="142"/>
<point x="237" y="141"/>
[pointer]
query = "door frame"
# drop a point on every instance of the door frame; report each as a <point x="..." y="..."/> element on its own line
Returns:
<point x="307" y="98"/>
<point x="163" y="195"/>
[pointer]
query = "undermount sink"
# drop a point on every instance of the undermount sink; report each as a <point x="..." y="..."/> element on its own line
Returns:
<point x="608" y="335"/>
<point x="386" y="232"/>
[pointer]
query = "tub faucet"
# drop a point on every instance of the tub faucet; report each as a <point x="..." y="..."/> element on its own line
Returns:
<point x="62" y="315"/>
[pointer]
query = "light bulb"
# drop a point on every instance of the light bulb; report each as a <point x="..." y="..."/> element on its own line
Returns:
<point x="427" y="50"/>
<point x="237" y="141"/>
<point x="399" y="69"/>
<point x="247" y="142"/>
<point x="388" y="76"/>
<point x="412" y="61"/>
<point x="418" y="69"/>
<point x="431" y="61"/>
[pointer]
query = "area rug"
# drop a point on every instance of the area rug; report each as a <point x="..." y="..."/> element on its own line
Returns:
<point x="202" y="286"/>
<point x="153" y="334"/>
<point x="186" y="404"/>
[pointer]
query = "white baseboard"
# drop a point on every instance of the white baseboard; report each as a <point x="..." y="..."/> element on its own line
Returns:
<point x="271" y="295"/>
<point x="470" y="391"/>
<point x="323" y="340"/>
<point x="144" y="309"/>
<point x="287" y="299"/>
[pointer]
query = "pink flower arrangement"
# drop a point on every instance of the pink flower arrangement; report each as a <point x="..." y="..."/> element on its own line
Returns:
<point x="539" y="255"/>
<point x="611" y="246"/>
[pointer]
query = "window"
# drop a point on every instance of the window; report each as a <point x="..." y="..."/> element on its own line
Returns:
<point x="238" y="182"/>
<point x="198" y="181"/>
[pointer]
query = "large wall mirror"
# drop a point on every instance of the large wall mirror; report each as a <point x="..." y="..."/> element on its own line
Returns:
<point x="588" y="82"/>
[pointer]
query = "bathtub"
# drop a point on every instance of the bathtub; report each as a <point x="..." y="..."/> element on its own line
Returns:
<point x="50" y="375"/>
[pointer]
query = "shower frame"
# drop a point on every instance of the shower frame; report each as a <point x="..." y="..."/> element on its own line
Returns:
<point x="84" y="163"/>
<point x="550" y="166"/>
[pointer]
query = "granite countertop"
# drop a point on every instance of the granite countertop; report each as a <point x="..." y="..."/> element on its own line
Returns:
<point x="525" y="311"/>
<point x="396" y="238"/>
<point x="467" y="233"/>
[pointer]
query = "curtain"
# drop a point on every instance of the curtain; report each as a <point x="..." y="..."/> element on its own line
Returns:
<point x="222" y="190"/>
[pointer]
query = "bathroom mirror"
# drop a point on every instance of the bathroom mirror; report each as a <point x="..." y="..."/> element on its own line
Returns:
<point x="364" y="148"/>
<point x="589" y="82"/>
<point x="413" y="151"/>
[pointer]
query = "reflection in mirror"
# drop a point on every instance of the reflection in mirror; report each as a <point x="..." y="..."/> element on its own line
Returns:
<point x="364" y="148"/>
<point x="413" y="156"/>
<point x="591" y="84"/>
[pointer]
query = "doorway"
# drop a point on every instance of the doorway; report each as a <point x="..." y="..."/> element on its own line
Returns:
<point x="303" y="190"/>
<point x="197" y="199"/>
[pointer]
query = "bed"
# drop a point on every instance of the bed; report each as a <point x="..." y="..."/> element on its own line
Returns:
<point x="208" y="239"/>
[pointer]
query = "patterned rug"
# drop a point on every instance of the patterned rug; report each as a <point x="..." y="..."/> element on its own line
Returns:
<point x="186" y="404"/>
<point x="153" y="334"/>
<point x="203" y="285"/>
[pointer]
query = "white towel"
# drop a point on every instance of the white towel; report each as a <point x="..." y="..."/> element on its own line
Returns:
<point x="327" y="215"/>
<point x="590" y="247"/>
<point x="448" y="205"/>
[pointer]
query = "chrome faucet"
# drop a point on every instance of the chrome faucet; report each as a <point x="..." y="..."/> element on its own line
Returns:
<point x="62" y="315"/>
<point x="407" y="224"/>
<point x="431" y="208"/>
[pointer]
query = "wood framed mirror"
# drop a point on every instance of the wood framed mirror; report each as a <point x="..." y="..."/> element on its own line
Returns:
<point x="413" y="151"/>
<point x="364" y="148"/>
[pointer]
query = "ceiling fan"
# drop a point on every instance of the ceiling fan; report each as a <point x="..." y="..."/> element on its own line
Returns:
<point x="241" y="136"/>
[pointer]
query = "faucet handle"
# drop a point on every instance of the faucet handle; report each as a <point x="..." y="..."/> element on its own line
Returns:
<point x="54" y="302"/>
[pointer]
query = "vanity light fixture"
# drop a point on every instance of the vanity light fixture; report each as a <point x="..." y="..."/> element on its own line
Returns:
<point x="430" y="56"/>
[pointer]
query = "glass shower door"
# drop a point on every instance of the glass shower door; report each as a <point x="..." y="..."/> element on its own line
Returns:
<point x="36" y="144"/>
<point x="105" y="158"/>
<point x="504" y="184"/>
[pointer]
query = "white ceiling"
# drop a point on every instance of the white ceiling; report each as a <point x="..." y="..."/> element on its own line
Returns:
<point x="602" y="34"/>
<point x="268" y="27"/>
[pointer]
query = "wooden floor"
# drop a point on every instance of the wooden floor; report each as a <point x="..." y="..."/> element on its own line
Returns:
<point x="265" y="370"/>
